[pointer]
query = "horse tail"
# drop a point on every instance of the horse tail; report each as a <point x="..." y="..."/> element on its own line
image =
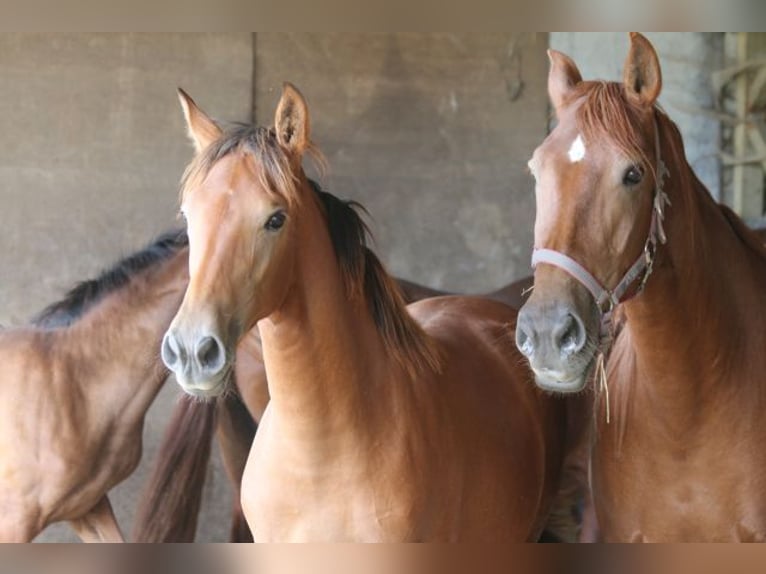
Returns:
<point x="172" y="497"/>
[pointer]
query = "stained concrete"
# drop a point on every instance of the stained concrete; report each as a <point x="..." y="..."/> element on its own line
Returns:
<point x="93" y="145"/>
<point x="431" y="132"/>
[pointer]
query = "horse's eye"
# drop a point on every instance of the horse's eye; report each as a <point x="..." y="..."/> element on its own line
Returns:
<point x="633" y="175"/>
<point x="276" y="221"/>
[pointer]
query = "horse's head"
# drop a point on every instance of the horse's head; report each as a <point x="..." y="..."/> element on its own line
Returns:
<point x="595" y="186"/>
<point x="239" y="198"/>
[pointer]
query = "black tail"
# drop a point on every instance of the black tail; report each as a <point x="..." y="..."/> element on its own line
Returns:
<point x="171" y="500"/>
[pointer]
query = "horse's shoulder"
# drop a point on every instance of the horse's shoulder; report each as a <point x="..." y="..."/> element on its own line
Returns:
<point x="461" y="309"/>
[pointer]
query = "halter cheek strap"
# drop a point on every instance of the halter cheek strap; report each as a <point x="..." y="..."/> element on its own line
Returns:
<point x="607" y="299"/>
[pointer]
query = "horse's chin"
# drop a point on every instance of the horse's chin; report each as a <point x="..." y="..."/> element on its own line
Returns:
<point x="565" y="384"/>
<point x="205" y="391"/>
<point x="561" y="387"/>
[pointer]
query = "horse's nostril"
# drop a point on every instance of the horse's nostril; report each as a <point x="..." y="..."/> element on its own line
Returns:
<point x="524" y="340"/>
<point x="169" y="351"/>
<point x="210" y="353"/>
<point x="569" y="335"/>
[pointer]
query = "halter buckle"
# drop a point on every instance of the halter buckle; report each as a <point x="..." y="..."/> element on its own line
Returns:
<point x="608" y="305"/>
<point x="650" y="251"/>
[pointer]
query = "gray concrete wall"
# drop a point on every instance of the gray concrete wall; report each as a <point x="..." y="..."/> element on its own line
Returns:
<point x="687" y="60"/>
<point x="93" y="145"/>
<point x="431" y="132"/>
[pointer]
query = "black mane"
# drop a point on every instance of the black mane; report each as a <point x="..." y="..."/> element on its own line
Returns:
<point x="364" y="275"/>
<point x="86" y="294"/>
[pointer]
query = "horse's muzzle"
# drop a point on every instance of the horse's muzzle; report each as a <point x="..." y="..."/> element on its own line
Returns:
<point x="554" y="339"/>
<point x="199" y="364"/>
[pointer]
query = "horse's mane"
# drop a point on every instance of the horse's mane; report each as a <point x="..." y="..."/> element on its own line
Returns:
<point x="364" y="273"/>
<point x="87" y="293"/>
<point x="607" y="113"/>
<point x="743" y="232"/>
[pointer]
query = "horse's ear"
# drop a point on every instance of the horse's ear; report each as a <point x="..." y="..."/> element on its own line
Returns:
<point x="292" y="120"/>
<point x="202" y="130"/>
<point x="642" y="76"/>
<point x="563" y="76"/>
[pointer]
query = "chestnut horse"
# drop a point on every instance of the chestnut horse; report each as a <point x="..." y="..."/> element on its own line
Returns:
<point x="381" y="425"/>
<point x="634" y="260"/>
<point x="89" y="367"/>
<point x="165" y="514"/>
<point x="75" y="387"/>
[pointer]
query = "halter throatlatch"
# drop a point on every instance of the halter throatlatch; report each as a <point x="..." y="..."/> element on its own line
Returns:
<point x="608" y="299"/>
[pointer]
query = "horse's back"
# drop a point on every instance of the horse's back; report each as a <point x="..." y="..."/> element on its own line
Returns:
<point x="514" y="294"/>
<point x="480" y="361"/>
<point x="476" y="339"/>
<point x="513" y="433"/>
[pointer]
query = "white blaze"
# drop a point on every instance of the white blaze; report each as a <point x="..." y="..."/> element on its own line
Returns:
<point x="577" y="150"/>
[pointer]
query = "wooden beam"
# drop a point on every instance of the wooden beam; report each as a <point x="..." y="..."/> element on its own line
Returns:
<point x="748" y="177"/>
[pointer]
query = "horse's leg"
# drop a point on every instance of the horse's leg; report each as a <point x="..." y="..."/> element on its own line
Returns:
<point x="573" y="506"/>
<point x="98" y="525"/>
<point x="589" y="530"/>
<point x="235" y="433"/>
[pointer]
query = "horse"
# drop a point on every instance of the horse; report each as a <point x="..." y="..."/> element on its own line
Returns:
<point x="655" y="295"/>
<point x="165" y="514"/>
<point x="169" y="504"/>
<point x="89" y="364"/>
<point x="75" y="387"/>
<point x="384" y="422"/>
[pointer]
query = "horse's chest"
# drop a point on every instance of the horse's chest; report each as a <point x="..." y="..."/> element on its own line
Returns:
<point x="290" y="509"/>
<point x="285" y="499"/>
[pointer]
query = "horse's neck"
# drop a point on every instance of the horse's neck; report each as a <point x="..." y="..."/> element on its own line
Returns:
<point x="687" y="335"/>
<point x="323" y="356"/>
<point x="114" y="347"/>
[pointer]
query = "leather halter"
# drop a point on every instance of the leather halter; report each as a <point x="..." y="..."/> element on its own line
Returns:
<point x="608" y="299"/>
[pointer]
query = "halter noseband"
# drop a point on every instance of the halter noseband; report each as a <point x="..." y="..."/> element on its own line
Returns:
<point x="607" y="299"/>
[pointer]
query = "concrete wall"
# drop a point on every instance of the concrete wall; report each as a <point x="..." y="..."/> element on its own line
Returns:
<point x="431" y="132"/>
<point x="93" y="146"/>
<point x="687" y="59"/>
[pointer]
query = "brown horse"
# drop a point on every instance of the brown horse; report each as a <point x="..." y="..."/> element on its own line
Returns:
<point x="381" y="425"/>
<point x="162" y="519"/>
<point x="75" y="387"/>
<point x="92" y="368"/>
<point x="170" y="503"/>
<point x="635" y="260"/>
